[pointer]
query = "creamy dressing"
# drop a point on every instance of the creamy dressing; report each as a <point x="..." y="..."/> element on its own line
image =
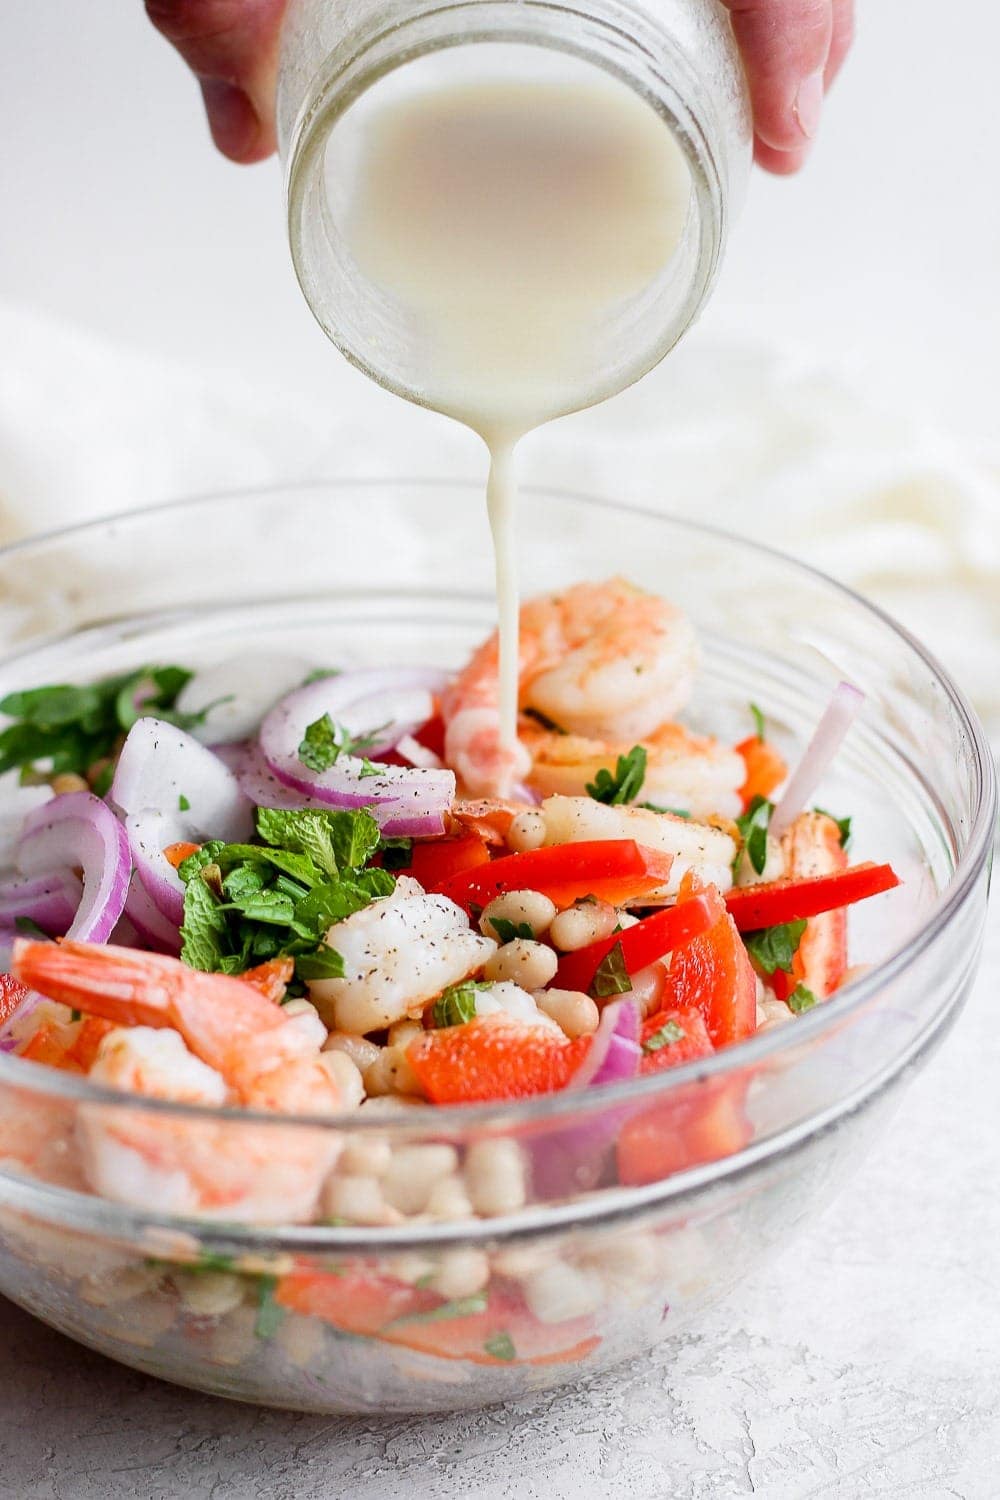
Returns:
<point x="520" y="228"/>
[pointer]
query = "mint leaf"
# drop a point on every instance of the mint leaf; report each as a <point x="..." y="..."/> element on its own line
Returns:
<point x="677" y="812"/>
<point x="626" y="784"/>
<point x="775" y="947"/>
<point x="611" y="977"/>
<point x="204" y="928"/>
<point x="801" y="999"/>
<point x="333" y="839"/>
<point x="325" y="963"/>
<point x="324" y="742"/>
<point x="501" y="1346"/>
<point x="457" y="1004"/>
<point x="843" y="826"/>
<point x="753" y="825"/>
<point x="507" y="931"/>
<point x="397" y="854"/>
<point x="183" y="805"/>
<point x="668" y="1033"/>
<point x="461" y="1307"/>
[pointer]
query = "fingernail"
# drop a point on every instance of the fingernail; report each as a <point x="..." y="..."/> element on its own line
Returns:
<point x="231" y="117"/>
<point x="809" y="104"/>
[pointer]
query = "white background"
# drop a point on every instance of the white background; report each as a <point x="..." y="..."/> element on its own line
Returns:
<point x="115" y="212"/>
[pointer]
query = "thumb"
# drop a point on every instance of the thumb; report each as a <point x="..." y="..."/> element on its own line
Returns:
<point x="785" y="45"/>
<point x="232" y="48"/>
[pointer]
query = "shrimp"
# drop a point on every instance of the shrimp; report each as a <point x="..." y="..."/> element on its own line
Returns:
<point x="684" y="772"/>
<point x="201" y="1039"/>
<point x="398" y="953"/>
<point x="602" y="660"/>
<point x="697" y="848"/>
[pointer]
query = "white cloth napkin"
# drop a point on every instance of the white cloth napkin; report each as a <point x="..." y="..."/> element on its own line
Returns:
<point x="759" y="440"/>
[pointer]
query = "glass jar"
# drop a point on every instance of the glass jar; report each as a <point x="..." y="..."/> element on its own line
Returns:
<point x="339" y="59"/>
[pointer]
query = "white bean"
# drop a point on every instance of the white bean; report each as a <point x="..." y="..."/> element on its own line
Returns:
<point x="587" y="922"/>
<point x="530" y="907"/>
<point x="122" y="1285"/>
<point x="346" y="1076"/>
<point x="234" y="1339"/>
<point x="359" y="1200"/>
<point x="460" y="1273"/>
<point x="558" y="1292"/>
<point x="495" y="1177"/>
<point x="359" y="1049"/>
<point x="648" y="985"/>
<point x="526" y="832"/>
<point x="210" y="1294"/>
<point x="300" y="1339"/>
<point x="391" y="1073"/>
<point x="573" y="1011"/>
<point x="526" y="964"/>
<point x="403" y="1032"/>
<point x="413" y="1172"/>
<point x="365" y="1156"/>
<point x="448" y="1200"/>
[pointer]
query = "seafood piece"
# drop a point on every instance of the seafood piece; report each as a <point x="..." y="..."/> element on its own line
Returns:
<point x="603" y="660"/>
<point x="687" y="772"/>
<point x="202" y="1039"/>
<point x="698" y="848"/>
<point x="398" y="953"/>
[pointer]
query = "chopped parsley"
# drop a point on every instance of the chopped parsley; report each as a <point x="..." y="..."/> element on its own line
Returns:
<point x="759" y="723"/>
<point x="507" y="931"/>
<point x="270" y="1314"/>
<point x="774" y="948"/>
<point x="461" y="1307"/>
<point x="626" y="784"/>
<point x="501" y="1346"/>
<point x="675" y="812"/>
<point x="71" y="728"/>
<point x="183" y="805"/>
<point x="843" y="826"/>
<point x="457" y="1004"/>
<point x="668" y="1033"/>
<point x="611" y="977"/>
<point x="247" y="903"/>
<point x="324" y="742"/>
<point x="753" y="825"/>
<point x="29" y="928"/>
<point x="801" y="999"/>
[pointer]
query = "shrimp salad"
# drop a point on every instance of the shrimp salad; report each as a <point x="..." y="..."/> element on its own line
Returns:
<point x="358" y="896"/>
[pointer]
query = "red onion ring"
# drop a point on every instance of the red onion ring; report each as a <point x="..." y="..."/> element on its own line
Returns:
<point x="828" y="736"/>
<point x="51" y="901"/>
<point x="81" y="831"/>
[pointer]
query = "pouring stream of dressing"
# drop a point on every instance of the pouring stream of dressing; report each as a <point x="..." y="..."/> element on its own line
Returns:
<point x="513" y="224"/>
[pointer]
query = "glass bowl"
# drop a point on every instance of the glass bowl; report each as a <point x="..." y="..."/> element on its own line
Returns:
<point x="561" y="1271"/>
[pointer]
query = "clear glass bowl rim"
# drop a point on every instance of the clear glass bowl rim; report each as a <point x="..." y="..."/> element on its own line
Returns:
<point x="17" y="1073"/>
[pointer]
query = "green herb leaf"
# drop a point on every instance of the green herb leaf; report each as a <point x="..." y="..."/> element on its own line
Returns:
<point x="507" y="931"/>
<point x="324" y="742"/>
<point x="397" y="854"/>
<point x="626" y="784"/>
<point x="501" y="1346"/>
<point x="333" y="839"/>
<point x="325" y="963"/>
<point x="775" y="947"/>
<point x="668" y="1033"/>
<point x="843" y="826"/>
<point x="457" y="1004"/>
<point x="759" y="723"/>
<point x="611" y="977"/>
<point x="27" y="928"/>
<point x="461" y="1307"/>
<point x="270" y="1314"/>
<point x="319" y="674"/>
<point x="753" y="825"/>
<point x="801" y="999"/>
<point x="677" y="812"/>
<point x="203" y="930"/>
<point x="183" y="805"/>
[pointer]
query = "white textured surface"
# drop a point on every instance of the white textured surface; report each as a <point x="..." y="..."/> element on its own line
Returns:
<point x="865" y="1362"/>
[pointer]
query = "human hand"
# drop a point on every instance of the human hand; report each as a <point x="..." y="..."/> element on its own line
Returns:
<point x="792" y="51"/>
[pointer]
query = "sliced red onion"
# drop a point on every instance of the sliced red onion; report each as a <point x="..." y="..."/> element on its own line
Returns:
<point x="173" y="790"/>
<point x="405" y="800"/>
<point x="151" y="926"/>
<point x="81" y="831"/>
<point x="51" y="901"/>
<point x="417" y="754"/>
<point x="572" y="1159"/>
<point x="840" y="714"/>
<point x="614" y="1052"/>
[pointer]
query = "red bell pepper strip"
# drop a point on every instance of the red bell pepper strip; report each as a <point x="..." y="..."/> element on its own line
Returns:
<point x="648" y="940"/>
<point x="768" y="905"/>
<point x="615" y="870"/>
<point x="811" y="847"/>
<point x="673" y="1037"/>
<point x="704" y="1122"/>
<point x="434" y="861"/>
<point x="489" y="1059"/>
